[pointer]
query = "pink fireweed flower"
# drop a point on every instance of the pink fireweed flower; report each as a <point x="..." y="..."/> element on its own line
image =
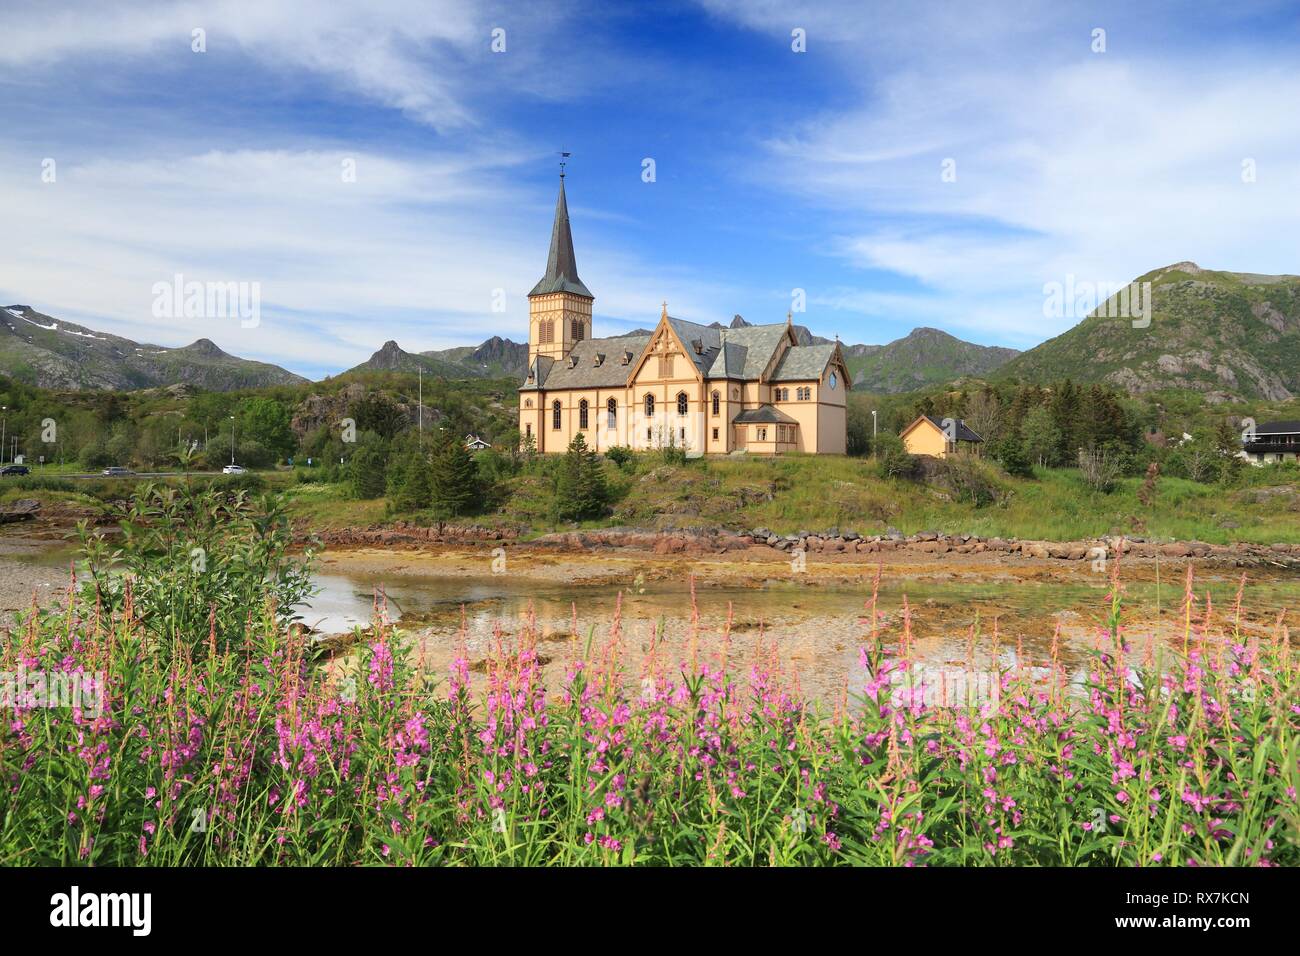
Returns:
<point x="381" y="667"/>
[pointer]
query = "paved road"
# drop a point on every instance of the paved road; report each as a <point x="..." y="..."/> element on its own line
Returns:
<point x="138" y="474"/>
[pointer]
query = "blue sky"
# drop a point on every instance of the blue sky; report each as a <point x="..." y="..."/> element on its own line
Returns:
<point x="775" y="170"/>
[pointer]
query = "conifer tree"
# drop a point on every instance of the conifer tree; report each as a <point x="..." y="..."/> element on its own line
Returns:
<point x="409" y="482"/>
<point x="453" y="477"/>
<point x="580" y="490"/>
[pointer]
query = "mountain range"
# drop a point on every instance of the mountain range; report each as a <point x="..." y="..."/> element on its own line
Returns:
<point x="1227" y="335"/>
<point x="923" y="357"/>
<point x="51" y="353"/>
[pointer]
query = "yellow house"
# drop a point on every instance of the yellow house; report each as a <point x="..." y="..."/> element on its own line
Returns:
<point x="704" y="388"/>
<point x="940" y="437"/>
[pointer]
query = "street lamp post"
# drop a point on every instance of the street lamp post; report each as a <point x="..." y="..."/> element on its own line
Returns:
<point x="873" y="423"/>
<point x="4" y="421"/>
<point x="232" y="439"/>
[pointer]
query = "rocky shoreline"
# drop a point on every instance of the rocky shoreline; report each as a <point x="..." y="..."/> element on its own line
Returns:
<point x="830" y="543"/>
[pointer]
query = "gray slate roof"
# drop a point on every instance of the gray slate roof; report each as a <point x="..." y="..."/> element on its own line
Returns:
<point x="803" y="363"/>
<point x="741" y="353"/>
<point x="561" y="263"/>
<point x="750" y="348"/>
<point x="1287" y="427"/>
<point x="585" y="373"/>
<point x="964" y="433"/>
<point x="764" y="414"/>
<point x="710" y="340"/>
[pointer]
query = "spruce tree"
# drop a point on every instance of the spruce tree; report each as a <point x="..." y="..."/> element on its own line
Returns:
<point x="366" y="468"/>
<point x="453" y="478"/>
<point x="409" y="484"/>
<point x="580" y="490"/>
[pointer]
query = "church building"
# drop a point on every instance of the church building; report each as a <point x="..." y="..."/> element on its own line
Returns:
<point x="706" y="389"/>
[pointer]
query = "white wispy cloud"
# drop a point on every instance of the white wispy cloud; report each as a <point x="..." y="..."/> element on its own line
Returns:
<point x="1100" y="165"/>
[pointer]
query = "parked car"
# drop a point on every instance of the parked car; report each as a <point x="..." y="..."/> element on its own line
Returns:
<point x="117" y="471"/>
<point x="233" y="470"/>
<point x="15" y="470"/>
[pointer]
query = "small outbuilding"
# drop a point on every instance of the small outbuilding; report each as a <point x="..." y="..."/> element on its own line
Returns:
<point x="940" y="437"/>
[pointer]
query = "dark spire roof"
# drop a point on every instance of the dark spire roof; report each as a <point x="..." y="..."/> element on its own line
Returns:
<point x="561" y="265"/>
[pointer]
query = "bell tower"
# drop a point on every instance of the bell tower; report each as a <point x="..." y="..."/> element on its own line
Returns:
<point x="559" y="307"/>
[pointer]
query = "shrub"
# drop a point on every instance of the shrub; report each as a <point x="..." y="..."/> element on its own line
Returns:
<point x="1100" y="468"/>
<point x="1010" y="454"/>
<point x="96" y="456"/>
<point x="620" y="455"/>
<point x="970" y="480"/>
<point x="39" y="483"/>
<point x="892" y="457"/>
<point x="195" y="563"/>
<point x="233" y="484"/>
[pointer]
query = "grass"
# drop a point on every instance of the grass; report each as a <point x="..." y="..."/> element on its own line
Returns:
<point x="229" y="744"/>
<point x="819" y="492"/>
<point x="803" y="492"/>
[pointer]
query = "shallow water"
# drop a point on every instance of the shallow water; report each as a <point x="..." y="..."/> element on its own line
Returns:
<point x="814" y="628"/>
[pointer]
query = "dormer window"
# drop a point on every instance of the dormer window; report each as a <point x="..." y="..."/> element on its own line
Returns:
<point x="573" y="361"/>
<point x="627" y="358"/>
<point x="698" y="346"/>
<point x="598" y="359"/>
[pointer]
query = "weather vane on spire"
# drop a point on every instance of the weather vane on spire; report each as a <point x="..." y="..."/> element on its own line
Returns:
<point x="564" y="158"/>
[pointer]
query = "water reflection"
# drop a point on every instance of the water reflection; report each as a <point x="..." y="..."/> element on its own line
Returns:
<point x="812" y="629"/>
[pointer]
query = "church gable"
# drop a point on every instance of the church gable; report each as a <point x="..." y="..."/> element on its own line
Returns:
<point x="670" y="358"/>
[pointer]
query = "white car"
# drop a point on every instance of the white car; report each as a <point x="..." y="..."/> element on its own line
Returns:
<point x="233" y="470"/>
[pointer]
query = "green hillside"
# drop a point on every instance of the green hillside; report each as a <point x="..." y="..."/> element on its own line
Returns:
<point x="924" y="357"/>
<point x="1226" y="335"/>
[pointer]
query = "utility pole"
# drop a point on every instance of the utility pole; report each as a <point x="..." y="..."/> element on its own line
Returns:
<point x="232" y="439"/>
<point x="420" y="370"/>
<point x="4" y="421"/>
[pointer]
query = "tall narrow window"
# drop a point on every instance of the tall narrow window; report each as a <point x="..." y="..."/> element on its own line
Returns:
<point x="612" y="408"/>
<point x="555" y="414"/>
<point x="582" y="414"/>
<point x="682" y="403"/>
<point x="665" y="366"/>
<point x="649" y="406"/>
<point x="547" y="332"/>
<point x="576" y="330"/>
<point x="717" y="403"/>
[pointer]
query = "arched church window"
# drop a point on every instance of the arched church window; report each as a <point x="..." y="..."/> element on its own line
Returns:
<point x="717" y="403"/>
<point x="582" y="414"/>
<point x="555" y="414"/>
<point x="649" y="406"/>
<point x="682" y="403"/>
<point x="612" y="408"/>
